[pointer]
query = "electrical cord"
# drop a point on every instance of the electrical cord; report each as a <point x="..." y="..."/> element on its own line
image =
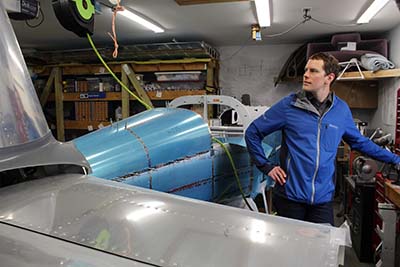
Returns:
<point x="273" y="153"/>
<point x="308" y="17"/>
<point x="234" y="171"/>
<point x="41" y="19"/>
<point x="334" y="24"/>
<point x="148" y="107"/>
<point x="236" y="52"/>
<point x="288" y="30"/>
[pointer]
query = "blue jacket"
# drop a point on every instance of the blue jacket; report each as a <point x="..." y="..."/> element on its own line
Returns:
<point x="309" y="145"/>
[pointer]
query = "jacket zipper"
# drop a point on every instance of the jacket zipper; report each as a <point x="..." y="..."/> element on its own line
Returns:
<point x="287" y="167"/>
<point x="318" y="153"/>
<point x="317" y="163"/>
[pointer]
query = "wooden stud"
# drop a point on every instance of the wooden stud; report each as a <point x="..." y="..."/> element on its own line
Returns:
<point x="210" y="87"/>
<point x="59" y="104"/>
<point x="47" y="89"/>
<point x="141" y="93"/>
<point x="124" y="96"/>
<point x="210" y="78"/>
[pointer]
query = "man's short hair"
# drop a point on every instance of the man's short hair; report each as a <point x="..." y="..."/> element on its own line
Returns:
<point x="331" y="64"/>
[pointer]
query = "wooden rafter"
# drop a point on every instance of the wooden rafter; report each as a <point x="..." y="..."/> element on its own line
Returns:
<point x="198" y="2"/>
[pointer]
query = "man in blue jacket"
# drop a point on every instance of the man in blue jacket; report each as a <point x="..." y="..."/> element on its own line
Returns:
<point x="313" y="122"/>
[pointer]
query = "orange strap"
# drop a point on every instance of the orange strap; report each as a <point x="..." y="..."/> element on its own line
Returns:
<point x="113" y="36"/>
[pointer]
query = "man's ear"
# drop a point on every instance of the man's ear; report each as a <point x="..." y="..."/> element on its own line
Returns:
<point x="331" y="77"/>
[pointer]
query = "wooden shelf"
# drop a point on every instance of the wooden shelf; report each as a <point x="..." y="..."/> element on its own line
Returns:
<point x="110" y="96"/>
<point x="392" y="192"/>
<point x="57" y="73"/>
<point x="116" y="96"/>
<point x="369" y="75"/>
<point x="84" y="125"/>
<point x="169" y="95"/>
<point x="146" y="66"/>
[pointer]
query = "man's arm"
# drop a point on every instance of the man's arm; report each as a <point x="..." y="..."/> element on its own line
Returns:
<point x="357" y="141"/>
<point x="272" y="120"/>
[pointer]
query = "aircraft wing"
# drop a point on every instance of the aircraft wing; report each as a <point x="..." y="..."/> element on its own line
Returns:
<point x="71" y="219"/>
<point x="24" y="248"/>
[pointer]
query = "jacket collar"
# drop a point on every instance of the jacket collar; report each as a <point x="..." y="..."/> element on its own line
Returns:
<point x="301" y="101"/>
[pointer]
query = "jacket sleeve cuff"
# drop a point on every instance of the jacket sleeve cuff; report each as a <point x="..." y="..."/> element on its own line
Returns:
<point x="397" y="160"/>
<point x="266" y="168"/>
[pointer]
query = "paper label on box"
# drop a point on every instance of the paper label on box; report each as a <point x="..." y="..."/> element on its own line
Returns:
<point x="159" y="94"/>
<point x="350" y="46"/>
<point x="90" y="128"/>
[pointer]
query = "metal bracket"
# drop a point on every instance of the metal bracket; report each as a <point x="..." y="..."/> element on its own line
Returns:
<point x="353" y="62"/>
<point x="246" y="113"/>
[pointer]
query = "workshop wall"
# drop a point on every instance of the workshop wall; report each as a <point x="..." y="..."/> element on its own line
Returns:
<point x="252" y="69"/>
<point x="384" y="116"/>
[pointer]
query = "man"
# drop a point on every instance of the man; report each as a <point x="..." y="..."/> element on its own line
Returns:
<point x="313" y="122"/>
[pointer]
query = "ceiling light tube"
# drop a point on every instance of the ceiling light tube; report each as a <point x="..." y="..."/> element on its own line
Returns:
<point x="263" y="13"/>
<point x="372" y="10"/>
<point x="132" y="16"/>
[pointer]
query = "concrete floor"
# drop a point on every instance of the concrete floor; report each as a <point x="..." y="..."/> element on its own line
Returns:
<point x="351" y="260"/>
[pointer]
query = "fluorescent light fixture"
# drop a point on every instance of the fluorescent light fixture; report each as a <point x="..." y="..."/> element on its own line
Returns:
<point x="373" y="9"/>
<point x="132" y="16"/>
<point x="263" y="13"/>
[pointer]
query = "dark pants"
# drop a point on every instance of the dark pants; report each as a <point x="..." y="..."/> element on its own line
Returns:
<point x="321" y="213"/>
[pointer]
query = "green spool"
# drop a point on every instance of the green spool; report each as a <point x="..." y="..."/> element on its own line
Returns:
<point x="85" y="13"/>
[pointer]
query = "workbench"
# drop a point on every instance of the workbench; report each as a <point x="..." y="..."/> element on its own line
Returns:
<point x="390" y="254"/>
<point x="392" y="192"/>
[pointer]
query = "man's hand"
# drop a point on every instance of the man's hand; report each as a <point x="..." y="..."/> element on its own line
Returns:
<point x="278" y="175"/>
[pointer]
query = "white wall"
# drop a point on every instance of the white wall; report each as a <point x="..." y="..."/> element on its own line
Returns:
<point x="252" y="71"/>
<point x="384" y="116"/>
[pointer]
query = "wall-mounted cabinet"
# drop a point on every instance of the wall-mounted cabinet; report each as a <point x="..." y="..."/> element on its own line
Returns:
<point x="358" y="94"/>
<point x="362" y="93"/>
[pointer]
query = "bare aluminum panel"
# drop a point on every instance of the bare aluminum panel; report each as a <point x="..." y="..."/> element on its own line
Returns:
<point x="162" y="229"/>
<point x="22" y="248"/>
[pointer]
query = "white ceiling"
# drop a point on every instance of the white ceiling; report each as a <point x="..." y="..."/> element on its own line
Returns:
<point x="218" y="24"/>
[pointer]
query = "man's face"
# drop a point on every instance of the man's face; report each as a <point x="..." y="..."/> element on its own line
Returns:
<point x="315" y="78"/>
